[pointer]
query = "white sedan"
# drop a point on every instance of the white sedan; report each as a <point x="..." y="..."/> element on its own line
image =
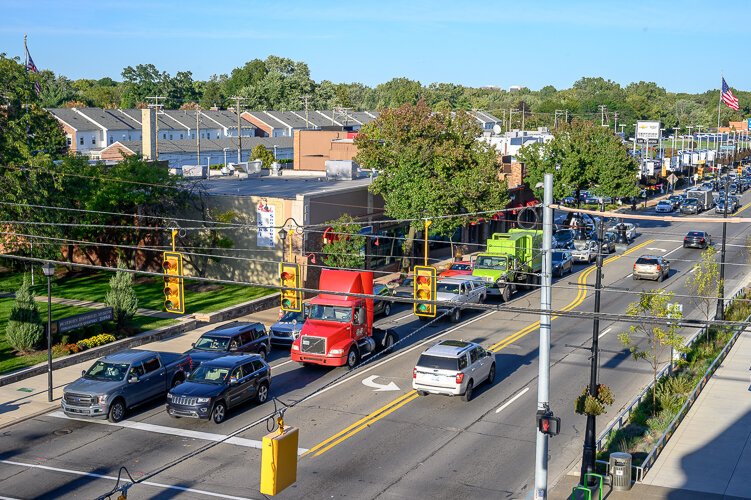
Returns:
<point x="664" y="207"/>
<point x="630" y="229"/>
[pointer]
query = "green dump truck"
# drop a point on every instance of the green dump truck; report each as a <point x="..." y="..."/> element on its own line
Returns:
<point x="512" y="260"/>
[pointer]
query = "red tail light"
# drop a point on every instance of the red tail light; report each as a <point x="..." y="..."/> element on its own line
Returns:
<point x="659" y="268"/>
<point x="634" y="267"/>
<point x="414" y="372"/>
<point x="702" y="240"/>
<point x="459" y="378"/>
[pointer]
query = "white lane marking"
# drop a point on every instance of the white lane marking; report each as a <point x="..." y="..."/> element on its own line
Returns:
<point x="693" y="270"/>
<point x="655" y="249"/>
<point x="516" y="396"/>
<point x="390" y="358"/>
<point x="370" y="382"/>
<point x="112" y="478"/>
<point x="172" y="431"/>
<point x="604" y="332"/>
<point x="8" y="498"/>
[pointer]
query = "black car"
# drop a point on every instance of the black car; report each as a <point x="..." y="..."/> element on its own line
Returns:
<point x="697" y="239"/>
<point x="235" y="337"/>
<point x="562" y="263"/>
<point x="219" y="385"/>
<point x="381" y="306"/>
<point x="691" y="206"/>
<point x="564" y="238"/>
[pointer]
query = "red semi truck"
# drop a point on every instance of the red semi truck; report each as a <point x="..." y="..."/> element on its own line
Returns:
<point x="338" y="329"/>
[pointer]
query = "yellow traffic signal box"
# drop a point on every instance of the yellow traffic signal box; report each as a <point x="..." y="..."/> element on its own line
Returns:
<point x="279" y="460"/>
<point x="289" y="277"/>
<point x="425" y="290"/>
<point x="700" y="172"/>
<point x="174" y="298"/>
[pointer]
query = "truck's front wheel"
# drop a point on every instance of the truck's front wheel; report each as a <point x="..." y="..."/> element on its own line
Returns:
<point x="506" y="294"/>
<point x="117" y="411"/>
<point x="353" y="357"/>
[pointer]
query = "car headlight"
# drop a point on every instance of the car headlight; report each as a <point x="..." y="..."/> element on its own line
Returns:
<point x="337" y="352"/>
<point x="102" y="399"/>
<point x="169" y="395"/>
<point x="203" y="400"/>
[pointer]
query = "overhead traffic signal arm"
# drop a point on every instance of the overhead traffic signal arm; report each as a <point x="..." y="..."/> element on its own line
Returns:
<point x="289" y="280"/>
<point x="425" y="291"/>
<point x="174" y="295"/>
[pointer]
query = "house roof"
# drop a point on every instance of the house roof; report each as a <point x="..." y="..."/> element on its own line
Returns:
<point x="73" y="119"/>
<point x="277" y="187"/>
<point x="208" y="146"/>
<point x="290" y="119"/>
<point x="228" y="119"/>
<point x="267" y="119"/>
<point x="107" y="118"/>
<point x="135" y="114"/>
<point x="187" y="118"/>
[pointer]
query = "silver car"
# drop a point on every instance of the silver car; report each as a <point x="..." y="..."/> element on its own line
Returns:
<point x="651" y="267"/>
<point x="584" y="251"/>
<point x="453" y="368"/>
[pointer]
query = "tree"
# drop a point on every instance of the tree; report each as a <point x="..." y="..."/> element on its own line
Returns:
<point x="346" y="248"/>
<point x="121" y="297"/>
<point x="704" y="282"/>
<point x="661" y="339"/>
<point x="211" y="236"/>
<point x="397" y="92"/>
<point x="248" y="76"/>
<point x="261" y="153"/>
<point x="213" y="93"/>
<point x="143" y="81"/>
<point x="581" y="156"/>
<point x="24" y="330"/>
<point x="430" y="165"/>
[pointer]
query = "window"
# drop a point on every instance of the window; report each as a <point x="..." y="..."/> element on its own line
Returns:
<point x="164" y="136"/>
<point x="474" y="355"/>
<point x="463" y="362"/>
<point x="181" y="136"/>
<point x="438" y="362"/>
<point x="111" y="140"/>
<point x="81" y="141"/>
<point x="260" y="331"/>
<point x="238" y="373"/>
<point x="249" y="368"/>
<point x="93" y="141"/>
<point x="151" y="365"/>
<point x="70" y="141"/>
<point x="257" y="365"/>
<point x="170" y="137"/>
<point x="137" y="370"/>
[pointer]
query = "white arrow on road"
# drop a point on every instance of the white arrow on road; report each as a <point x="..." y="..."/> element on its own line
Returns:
<point x="370" y="382"/>
<point x="656" y="249"/>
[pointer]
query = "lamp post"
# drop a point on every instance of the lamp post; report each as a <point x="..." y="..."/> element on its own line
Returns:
<point x="49" y="270"/>
<point x="225" y="157"/>
<point x="283" y="233"/>
<point x="283" y="237"/>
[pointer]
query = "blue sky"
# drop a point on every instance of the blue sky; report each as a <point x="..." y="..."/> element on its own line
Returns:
<point x="475" y="43"/>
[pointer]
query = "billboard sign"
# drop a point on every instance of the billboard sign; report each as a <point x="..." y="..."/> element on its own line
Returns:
<point x="266" y="222"/>
<point x="648" y="130"/>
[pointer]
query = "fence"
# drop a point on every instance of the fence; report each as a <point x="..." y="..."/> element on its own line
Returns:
<point x="623" y="417"/>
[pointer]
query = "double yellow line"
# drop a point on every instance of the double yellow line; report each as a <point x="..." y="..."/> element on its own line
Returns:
<point x="410" y="396"/>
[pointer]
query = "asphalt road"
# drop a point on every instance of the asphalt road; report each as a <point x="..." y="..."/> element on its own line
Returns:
<point x="360" y="442"/>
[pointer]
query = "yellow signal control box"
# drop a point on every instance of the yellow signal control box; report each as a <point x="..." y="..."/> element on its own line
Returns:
<point x="279" y="460"/>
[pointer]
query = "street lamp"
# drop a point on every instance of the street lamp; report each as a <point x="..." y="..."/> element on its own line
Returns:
<point x="225" y="157"/>
<point x="49" y="270"/>
<point x="283" y="233"/>
<point x="283" y="238"/>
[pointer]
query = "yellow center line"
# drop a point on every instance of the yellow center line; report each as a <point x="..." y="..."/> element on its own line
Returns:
<point x="744" y="207"/>
<point x="410" y="396"/>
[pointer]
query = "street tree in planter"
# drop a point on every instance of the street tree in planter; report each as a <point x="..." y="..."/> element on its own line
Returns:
<point x="345" y="248"/>
<point x="662" y="339"/>
<point x="24" y="330"/>
<point x="121" y="297"/>
<point x="430" y="165"/>
<point x="704" y="282"/>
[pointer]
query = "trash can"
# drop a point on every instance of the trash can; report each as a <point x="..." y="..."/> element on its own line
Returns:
<point x="620" y="470"/>
<point x="276" y="168"/>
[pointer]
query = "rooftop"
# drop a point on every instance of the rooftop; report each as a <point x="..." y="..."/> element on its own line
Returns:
<point x="210" y="145"/>
<point x="73" y="119"/>
<point x="278" y="187"/>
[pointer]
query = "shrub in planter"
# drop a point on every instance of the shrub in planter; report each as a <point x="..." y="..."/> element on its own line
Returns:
<point x="24" y="331"/>
<point x="586" y="404"/>
<point x="95" y="341"/>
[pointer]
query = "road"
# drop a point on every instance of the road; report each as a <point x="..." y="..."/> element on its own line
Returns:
<point x="357" y="441"/>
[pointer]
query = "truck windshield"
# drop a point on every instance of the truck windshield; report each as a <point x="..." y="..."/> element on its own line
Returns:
<point x="489" y="262"/>
<point x="208" y="343"/>
<point x="447" y="288"/>
<point x="209" y="375"/>
<point x="107" y="371"/>
<point x="331" y="313"/>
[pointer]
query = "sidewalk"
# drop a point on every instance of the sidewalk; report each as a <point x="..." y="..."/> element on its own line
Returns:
<point x="28" y="398"/>
<point x="709" y="456"/>
<point x="100" y="305"/>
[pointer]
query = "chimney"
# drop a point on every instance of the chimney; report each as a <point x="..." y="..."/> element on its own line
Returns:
<point x="148" y="133"/>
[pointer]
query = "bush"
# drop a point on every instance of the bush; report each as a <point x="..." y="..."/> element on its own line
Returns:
<point x="95" y="341"/>
<point x="585" y="404"/>
<point x="121" y="297"/>
<point x="24" y="330"/>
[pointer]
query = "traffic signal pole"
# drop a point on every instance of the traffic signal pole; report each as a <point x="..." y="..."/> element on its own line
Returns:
<point x="543" y="378"/>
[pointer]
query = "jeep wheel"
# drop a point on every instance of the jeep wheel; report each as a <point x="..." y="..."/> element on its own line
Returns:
<point x="262" y="353"/>
<point x="263" y="393"/>
<point x="468" y="393"/>
<point x="387" y="309"/>
<point x="352" y="357"/>
<point x="456" y="315"/>
<point x="117" y="411"/>
<point x="219" y="413"/>
<point x="491" y="375"/>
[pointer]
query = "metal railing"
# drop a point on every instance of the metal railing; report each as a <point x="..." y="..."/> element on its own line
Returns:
<point x="622" y="419"/>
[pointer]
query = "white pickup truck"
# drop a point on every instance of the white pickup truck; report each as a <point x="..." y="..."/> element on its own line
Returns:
<point x="459" y="290"/>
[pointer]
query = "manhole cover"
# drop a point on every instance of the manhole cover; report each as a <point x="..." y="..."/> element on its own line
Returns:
<point x="62" y="432"/>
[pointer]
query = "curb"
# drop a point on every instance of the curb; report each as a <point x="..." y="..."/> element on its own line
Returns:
<point x="28" y="416"/>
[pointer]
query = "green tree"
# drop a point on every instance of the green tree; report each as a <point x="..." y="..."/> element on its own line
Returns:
<point x="661" y="339"/>
<point x="211" y="236"/>
<point x="121" y="297"/>
<point x="397" y="92"/>
<point x="249" y="75"/>
<point x="581" y="156"/>
<point x="261" y="153"/>
<point x="24" y="330"/>
<point x="212" y="92"/>
<point x="704" y="282"/>
<point x="430" y="165"/>
<point x="346" y="249"/>
<point x="143" y="81"/>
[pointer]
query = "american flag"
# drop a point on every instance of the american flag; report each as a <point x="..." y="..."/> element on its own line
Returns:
<point x="32" y="68"/>
<point x="727" y="96"/>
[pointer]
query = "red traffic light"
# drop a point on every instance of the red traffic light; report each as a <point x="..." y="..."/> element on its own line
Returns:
<point x="287" y="276"/>
<point x="423" y="280"/>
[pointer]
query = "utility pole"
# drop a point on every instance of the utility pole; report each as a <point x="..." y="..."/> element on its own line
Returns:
<point x="603" y="110"/>
<point x="158" y="107"/>
<point x="523" y="116"/>
<point x="505" y="126"/>
<point x="239" y="129"/>
<point x="558" y="112"/>
<point x="589" y="452"/>
<point x="615" y="122"/>
<point x="720" y="313"/>
<point x="543" y="378"/>
<point x="198" y="139"/>
<point x="305" y="99"/>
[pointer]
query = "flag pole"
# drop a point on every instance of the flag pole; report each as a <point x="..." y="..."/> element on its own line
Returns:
<point x="717" y="137"/>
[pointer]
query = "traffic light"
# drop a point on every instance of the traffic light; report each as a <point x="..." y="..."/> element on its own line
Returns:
<point x="174" y="298"/>
<point x="424" y="285"/>
<point x="547" y="423"/>
<point x="289" y="280"/>
<point x="740" y="171"/>
<point x="701" y="172"/>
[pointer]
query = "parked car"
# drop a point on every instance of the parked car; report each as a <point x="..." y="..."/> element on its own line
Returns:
<point x="405" y="289"/>
<point x="460" y="268"/>
<point x="584" y="251"/>
<point x="220" y="385"/>
<point x="563" y="263"/>
<point x="453" y="368"/>
<point x="691" y="206"/>
<point x="664" y="206"/>
<point x="287" y="329"/>
<point x="381" y="306"/>
<point x="235" y="337"/>
<point x="697" y="239"/>
<point x="120" y="381"/>
<point x="653" y="267"/>
<point x="564" y="238"/>
<point x="457" y="291"/>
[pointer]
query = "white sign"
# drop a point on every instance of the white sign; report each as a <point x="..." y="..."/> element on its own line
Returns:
<point x="647" y="130"/>
<point x="266" y="220"/>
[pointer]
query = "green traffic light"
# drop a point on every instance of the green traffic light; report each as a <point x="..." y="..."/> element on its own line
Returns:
<point x="422" y="308"/>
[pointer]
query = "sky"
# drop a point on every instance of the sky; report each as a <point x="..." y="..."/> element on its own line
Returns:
<point x="682" y="46"/>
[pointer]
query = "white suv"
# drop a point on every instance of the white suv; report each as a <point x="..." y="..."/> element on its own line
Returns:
<point x="453" y="368"/>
